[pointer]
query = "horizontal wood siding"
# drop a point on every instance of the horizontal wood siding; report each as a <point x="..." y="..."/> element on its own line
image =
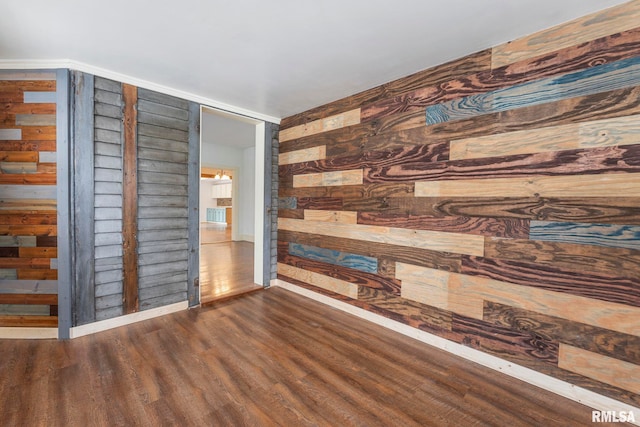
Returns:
<point x="493" y="201"/>
<point x="108" y="141"/>
<point x="163" y="146"/>
<point x="28" y="205"/>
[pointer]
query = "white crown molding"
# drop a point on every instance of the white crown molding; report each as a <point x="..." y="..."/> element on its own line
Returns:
<point x="546" y="382"/>
<point x="32" y="64"/>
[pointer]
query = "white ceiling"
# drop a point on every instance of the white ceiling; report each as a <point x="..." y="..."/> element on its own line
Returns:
<point x="276" y="57"/>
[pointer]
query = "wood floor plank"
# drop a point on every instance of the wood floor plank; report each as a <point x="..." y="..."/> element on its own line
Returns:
<point x="272" y="358"/>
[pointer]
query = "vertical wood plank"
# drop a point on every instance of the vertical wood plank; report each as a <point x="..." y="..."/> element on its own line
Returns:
<point x="84" y="213"/>
<point x="130" y="200"/>
<point x="193" y="189"/>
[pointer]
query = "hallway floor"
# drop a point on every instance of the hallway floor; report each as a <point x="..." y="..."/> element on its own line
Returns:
<point x="226" y="267"/>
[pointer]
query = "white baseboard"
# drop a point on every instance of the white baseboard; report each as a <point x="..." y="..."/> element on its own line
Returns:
<point x="127" y="319"/>
<point x="554" y="385"/>
<point x="18" y="333"/>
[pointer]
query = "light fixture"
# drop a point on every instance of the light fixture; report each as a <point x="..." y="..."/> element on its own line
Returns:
<point x="225" y="176"/>
<point x="217" y="176"/>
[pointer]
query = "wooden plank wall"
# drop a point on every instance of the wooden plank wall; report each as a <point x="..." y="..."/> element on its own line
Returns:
<point x="163" y="156"/>
<point x="28" y="208"/>
<point x="493" y="201"/>
<point x="108" y="177"/>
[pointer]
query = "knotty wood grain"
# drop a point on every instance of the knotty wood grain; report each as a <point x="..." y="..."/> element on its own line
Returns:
<point x="610" y="235"/>
<point x="348" y="177"/>
<point x="352" y="191"/>
<point x="459" y="67"/>
<point x="308" y="154"/>
<point x="461" y="287"/>
<point x="344" y="259"/>
<point x="576" y="57"/>
<point x="512" y="228"/>
<point x="329" y="283"/>
<point x="424" y="257"/>
<point x="575" y="32"/>
<point x="433" y="240"/>
<point x="613" y="287"/>
<point x="601" y="368"/>
<point x="331" y="216"/>
<point x="614" y="344"/>
<point x="616" y="75"/>
<point x="337" y="121"/>
<point x="598" y="133"/>
<point x="605" y="185"/>
<point x="568" y="256"/>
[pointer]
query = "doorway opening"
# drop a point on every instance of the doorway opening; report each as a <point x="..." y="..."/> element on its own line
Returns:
<point x="231" y="205"/>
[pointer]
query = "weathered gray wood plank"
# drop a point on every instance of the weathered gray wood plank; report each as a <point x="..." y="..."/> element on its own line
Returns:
<point x="163" y="257"/>
<point x="108" y="175"/>
<point x="108" y="251"/>
<point x="108" y="188"/>
<point x="108" y="123"/>
<point x="114" y="226"/>
<point x="105" y="264"/>
<point x="108" y="85"/>
<point x="109" y="136"/>
<point x="154" y="247"/>
<point x="28" y="287"/>
<point x="108" y="213"/>
<point x="166" y="235"/>
<point x="162" y="144"/>
<point x="193" y="271"/>
<point x="164" y="167"/>
<point x="160" y="98"/>
<point x="107" y="110"/>
<point x="162" y="224"/>
<point x="108" y="313"/>
<point x="159" y="291"/>
<point x="110" y="98"/>
<point x="162" y="178"/>
<point x="107" y="239"/>
<point x="167" y="212"/>
<point x="108" y="200"/>
<point x="108" y="162"/>
<point x="162" y="279"/>
<point x="150" y="303"/>
<point x="163" y="121"/>
<point x="162" y="201"/>
<point x="113" y="288"/>
<point x="108" y="277"/>
<point x="162" y="110"/>
<point x="162" y="190"/>
<point x="153" y="131"/>
<point x="162" y="155"/>
<point x="106" y="149"/>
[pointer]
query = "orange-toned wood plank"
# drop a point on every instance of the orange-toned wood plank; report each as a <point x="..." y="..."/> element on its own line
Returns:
<point x="39" y="133"/>
<point x="38" y="252"/>
<point x="27" y="85"/>
<point x="601" y="368"/>
<point x="19" y="107"/>
<point x="37" y="274"/>
<point x="29" y="178"/>
<point x="29" y="321"/>
<point x="331" y="216"/>
<point x="20" y="217"/>
<point x="27" y="145"/>
<point x="25" y="263"/>
<point x="28" y="230"/>
<point x="37" y="299"/>
<point x="47" y="168"/>
<point x="599" y="24"/>
<point x="18" y="156"/>
<point x="338" y="121"/>
<point x="26" y="205"/>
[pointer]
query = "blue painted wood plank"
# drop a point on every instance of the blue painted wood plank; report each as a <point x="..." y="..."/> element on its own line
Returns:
<point x="40" y="97"/>
<point x="344" y="259"/>
<point x="287" y="203"/>
<point x="603" y="78"/>
<point x="609" y="235"/>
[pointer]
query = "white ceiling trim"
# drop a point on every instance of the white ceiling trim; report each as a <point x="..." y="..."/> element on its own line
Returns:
<point x="33" y="64"/>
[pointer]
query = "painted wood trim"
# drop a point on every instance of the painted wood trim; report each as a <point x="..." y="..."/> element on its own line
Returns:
<point x="611" y="185"/>
<point x="270" y="236"/>
<point x="546" y="382"/>
<point x="64" y="202"/>
<point x="84" y="213"/>
<point x="425" y="239"/>
<point x="599" y="24"/>
<point x="193" y="269"/>
<point x="337" y="121"/>
<point x="128" y="319"/>
<point x="598" y="133"/>
<point x="130" y="201"/>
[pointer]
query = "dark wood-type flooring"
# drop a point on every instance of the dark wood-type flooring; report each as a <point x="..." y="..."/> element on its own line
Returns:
<point x="226" y="267"/>
<point x="268" y="358"/>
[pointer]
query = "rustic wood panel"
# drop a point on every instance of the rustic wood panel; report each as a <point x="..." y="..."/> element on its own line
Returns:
<point x="337" y="121"/>
<point x="334" y="285"/>
<point x="28" y="230"/>
<point x="601" y="368"/>
<point x="459" y="67"/>
<point x="327" y="179"/>
<point x="575" y="32"/>
<point x="130" y="201"/>
<point x="344" y="259"/>
<point x="492" y="227"/>
<point x="619" y="288"/>
<point x="538" y="155"/>
<point x="603" y="341"/>
<point x="468" y="289"/>
<point x="305" y="155"/>
<point x="331" y="216"/>
<point x="616" y="75"/>
<point x="598" y="133"/>
<point x="433" y="240"/>
<point x="604" y="185"/>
